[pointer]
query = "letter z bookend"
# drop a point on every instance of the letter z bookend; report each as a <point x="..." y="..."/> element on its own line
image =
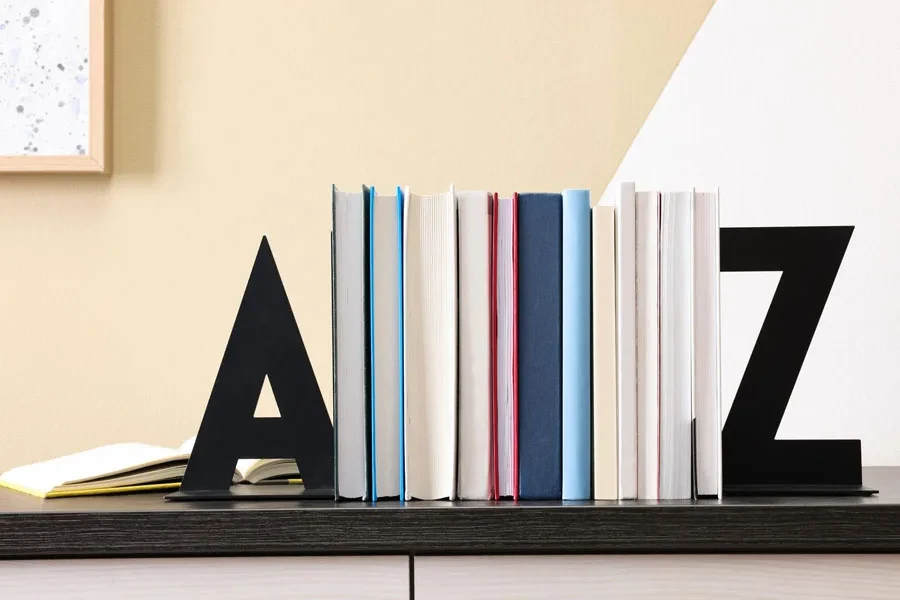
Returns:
<point x="265" y="341"/>
<point x="753" y="461"/>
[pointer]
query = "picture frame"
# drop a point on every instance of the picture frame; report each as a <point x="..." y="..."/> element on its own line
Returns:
<point x="43" y="93"/>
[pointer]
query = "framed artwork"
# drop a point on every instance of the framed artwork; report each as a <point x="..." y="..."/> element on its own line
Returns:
<point x="54" y="85"/>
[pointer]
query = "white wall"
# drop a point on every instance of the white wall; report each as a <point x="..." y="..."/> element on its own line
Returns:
<point x="792" y="108"/>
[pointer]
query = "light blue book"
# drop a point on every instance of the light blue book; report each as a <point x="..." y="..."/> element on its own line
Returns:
<point x="576" y="344"/>
<point x="385" y="268"/>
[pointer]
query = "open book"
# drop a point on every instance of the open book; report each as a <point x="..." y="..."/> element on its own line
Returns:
<point x="130" y="467"/>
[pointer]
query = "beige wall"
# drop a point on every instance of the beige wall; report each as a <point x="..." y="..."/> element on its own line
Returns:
<point x="232" y="119"/>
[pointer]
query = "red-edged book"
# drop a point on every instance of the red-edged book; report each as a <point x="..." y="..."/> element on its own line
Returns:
<point x="495" y="472"/>
<point x="504" y="370"/>
<point x="515" y="346"/>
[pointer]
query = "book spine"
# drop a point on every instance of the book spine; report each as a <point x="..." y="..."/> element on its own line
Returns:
<point x="676" y="342"/>
<point x="334" y="344"/>
<point x="405" y="314"/>
<point x="603" y="322"/>
<point x="626" y="330"/>
<point x="539" y="333"/>
<point x="400" y="337"/>
<point x="368" y="326"/>
<point x="474" y="346"/>
<point x="452" y="398"/>
<point x="495" y="454"/>
<point x="647" y="213"/>
<point x="706" y="336"/>
<point x="515" y="347"/>
<point x="370" y="291"/>
<point x="576" y="345"/>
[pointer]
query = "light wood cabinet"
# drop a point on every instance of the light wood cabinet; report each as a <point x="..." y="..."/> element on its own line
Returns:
<point x="672" y="577"/>
<point x="244" y="578"/>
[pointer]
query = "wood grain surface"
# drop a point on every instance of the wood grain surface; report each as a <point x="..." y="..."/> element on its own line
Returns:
<point x="673" y="577"/>
<point x="271" y="578"/>
<point x="147" y="525"/>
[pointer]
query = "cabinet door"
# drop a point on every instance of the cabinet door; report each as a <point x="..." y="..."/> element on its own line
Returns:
<point x="669" y="577"/>
<point x="275" y="578"/>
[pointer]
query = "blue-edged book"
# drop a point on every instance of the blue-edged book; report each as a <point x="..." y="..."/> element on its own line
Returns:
<point x="385" y="276"/>
<point x="540" y="261"/>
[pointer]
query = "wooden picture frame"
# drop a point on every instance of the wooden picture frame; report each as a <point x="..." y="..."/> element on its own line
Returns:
<point x="93" y="156"/>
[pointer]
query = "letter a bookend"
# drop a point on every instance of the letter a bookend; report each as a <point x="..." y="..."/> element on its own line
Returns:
<point x="753" y="461"/>
<point x="265" y="341"/>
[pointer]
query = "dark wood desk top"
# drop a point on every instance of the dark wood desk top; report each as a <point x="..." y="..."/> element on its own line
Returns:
<point x="147" y="525"/>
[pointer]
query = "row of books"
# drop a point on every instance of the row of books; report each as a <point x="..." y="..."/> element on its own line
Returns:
<point x="668" y="351"/>
<point x="531" y="347"/>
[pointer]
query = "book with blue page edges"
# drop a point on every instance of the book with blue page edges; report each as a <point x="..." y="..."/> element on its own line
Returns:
<point x="386" y="326"/>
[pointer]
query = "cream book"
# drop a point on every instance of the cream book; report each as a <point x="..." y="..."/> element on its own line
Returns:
<point x="603" y="266"/>
<point x="474" y="435"/>
<point x="622" y="198"/>
<point x="129" y="467"/>
<point x="647" y="215"/>
<point x="430" y="345"/>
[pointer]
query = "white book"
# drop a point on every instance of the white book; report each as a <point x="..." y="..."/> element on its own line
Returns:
<point x="707" y="402"/>
<point x="676" y="345"/>
<point x="506" y="323"/>
<point x="430" y="345"/>
<point x="622" y="198"/>
<point x="603" y="355"/>
<point x="647" y="252"/>
<point x="350" y="343"/>
<point x="474" y="469"/>
<point x="386" y="343"/>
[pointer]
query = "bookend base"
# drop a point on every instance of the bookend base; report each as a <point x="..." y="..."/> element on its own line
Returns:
<point x="253" y="492"/>
<point x="736" y="491"/>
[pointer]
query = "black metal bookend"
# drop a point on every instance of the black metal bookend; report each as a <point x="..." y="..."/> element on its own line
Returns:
<point x="753" y="461"/>
<point x="265" y="341"/>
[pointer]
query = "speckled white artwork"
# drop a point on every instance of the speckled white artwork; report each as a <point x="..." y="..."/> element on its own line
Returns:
<point x="44" y="83"/>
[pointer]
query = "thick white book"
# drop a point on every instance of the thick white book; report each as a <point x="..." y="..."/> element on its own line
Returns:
<point x="676" y="345"/>
<point x="386" y="344"/>
<point x="474" y="469"/>
<point x="622" y="197"/>
<point x="603" y="344"/>
<point x="349" y="228"/>
<point x="430" y="344"/>
<point x="647" y="253"/>
<point x="506" y="350"/>
<point x="707" y="387"/>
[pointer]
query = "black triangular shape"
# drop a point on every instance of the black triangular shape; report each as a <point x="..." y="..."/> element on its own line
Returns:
<point x="264" y="341"/>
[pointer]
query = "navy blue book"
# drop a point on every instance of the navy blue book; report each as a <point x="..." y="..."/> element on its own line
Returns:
<point x="539" y="326"/>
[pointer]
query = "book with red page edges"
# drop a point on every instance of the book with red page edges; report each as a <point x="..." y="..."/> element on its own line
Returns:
<point x="506" y="390"/>
<point x="495" y="471"/>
